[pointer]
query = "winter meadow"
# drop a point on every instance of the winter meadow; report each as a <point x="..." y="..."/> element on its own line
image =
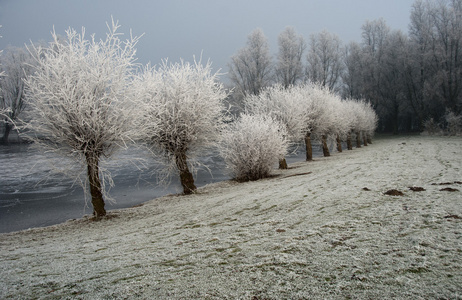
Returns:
<point x="375" y="216"/>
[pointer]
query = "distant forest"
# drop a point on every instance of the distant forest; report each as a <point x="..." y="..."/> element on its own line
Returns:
<point x="413" y="80"/>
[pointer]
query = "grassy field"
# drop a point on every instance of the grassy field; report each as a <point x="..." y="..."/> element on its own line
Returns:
<point x="320" y="230"/>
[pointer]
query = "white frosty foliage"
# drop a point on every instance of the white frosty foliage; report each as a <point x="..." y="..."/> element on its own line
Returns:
<point x="280" y="104"/>
<point x="182" y="111"/>
<point x="80" y="95"/>
<point x="316" y="108"/>
<point x="364" y="117"/>
<point x="252" y="145"/>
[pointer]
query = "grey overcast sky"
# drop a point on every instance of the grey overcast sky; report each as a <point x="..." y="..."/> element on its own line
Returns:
<point x="177" y="29"/>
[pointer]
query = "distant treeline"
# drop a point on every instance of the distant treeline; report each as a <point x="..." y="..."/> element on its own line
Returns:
<point x="412" y="79"/>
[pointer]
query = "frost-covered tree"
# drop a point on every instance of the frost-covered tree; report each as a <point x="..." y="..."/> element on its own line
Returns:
<point x="283" y="105"/>
<point x="182" y="115"/>
<point x="81" y="101"/>
<point x="250" y="68"/>
<point x="364" y="122"/>
<point x="353" y="70"/>
<point x="289" y="66"/>
<point x="316" y="113"/>
<point x="340" y="121"/>
<point x="252" y="145"/>
<point x="324" y="59"/>
<point x="15" y="64"/>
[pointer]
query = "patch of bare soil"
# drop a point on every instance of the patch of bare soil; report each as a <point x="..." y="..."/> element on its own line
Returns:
<point x="417" y="189"/>
<point x="448" y="183"/>
<point x="448" y="189"/>
<point x="453" y="217"/>
<point x="394" y="192"/>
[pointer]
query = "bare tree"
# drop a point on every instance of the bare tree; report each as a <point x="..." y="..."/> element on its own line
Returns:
<point x="353" y="70"/>
<point x="289" y="66"/>
<point x="417" y="62"/>
<point x="250" y="68"/>
<point x="446" y="17"/>
<point x="81" y="101"/>
<point x="15" y="64"/>
<point x="324" y="60"/>
<point x="182" y="115"/>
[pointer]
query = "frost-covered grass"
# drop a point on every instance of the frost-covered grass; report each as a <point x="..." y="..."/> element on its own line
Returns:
<point x="313" y="232"/>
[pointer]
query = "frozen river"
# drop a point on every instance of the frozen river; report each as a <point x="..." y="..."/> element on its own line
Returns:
<point x="31" y="195"/>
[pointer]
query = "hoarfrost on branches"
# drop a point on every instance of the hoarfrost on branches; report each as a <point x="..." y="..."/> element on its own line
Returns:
<point x="182" y="115"/>
<point x="80" y="99"/>
<point x="289" y="66"/>
<point x="283" y="105"/>
<point x="250" y="68"/>
<point x="15" y="65"/>
<point x="252" y="145"/>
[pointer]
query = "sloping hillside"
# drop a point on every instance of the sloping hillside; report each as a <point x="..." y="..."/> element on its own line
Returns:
<point x="324" y="229"/>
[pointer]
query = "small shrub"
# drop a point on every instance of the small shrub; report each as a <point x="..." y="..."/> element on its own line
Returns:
<point x="251" y="146"/>
<point x="454" y="123"/>
<point x="431" y="126"/>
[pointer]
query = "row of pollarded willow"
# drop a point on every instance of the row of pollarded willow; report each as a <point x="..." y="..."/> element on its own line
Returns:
<point x="87" y="99"/>
<point x="311" y="110"/>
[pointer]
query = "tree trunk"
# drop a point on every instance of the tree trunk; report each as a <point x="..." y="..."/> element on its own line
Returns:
<point x="283" y="164"/>
<point x="339" y="144"/>
<point x="186" y="177"/>
<point x="369" y="139"/>
<point x="6" y="133"/>
<point x="364" y="139"/>
<point x="325" y="149"/>
<point x="358" y="139"/>
<point x="95" y="185"/>
<point x="349" y="143"/>
<point x="309" y="149"/>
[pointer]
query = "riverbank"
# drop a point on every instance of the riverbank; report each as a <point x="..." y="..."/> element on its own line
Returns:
<point x="323" y="229"/>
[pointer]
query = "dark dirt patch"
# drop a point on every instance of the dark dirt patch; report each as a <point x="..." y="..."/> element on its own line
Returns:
<point x="448" y="183"/>
<point x="417" y="189"/>
<point x="394" y="192"/>
<point x="448" y="189"/>
<point x="366" y="189"/>
<point x="453" y="217"/>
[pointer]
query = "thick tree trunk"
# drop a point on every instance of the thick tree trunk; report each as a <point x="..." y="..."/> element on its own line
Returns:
<point x="339" y="144"/>
<point x="186" y="177"/>
<point x="358" y="139"/>
<point x="349" y="143"/>
<point x="283" y="164"/>
<point x="309" y="149"/>
<point x="6" y="133"/>
<point x="95" y="185"/>
<point x="325" y="149"/>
